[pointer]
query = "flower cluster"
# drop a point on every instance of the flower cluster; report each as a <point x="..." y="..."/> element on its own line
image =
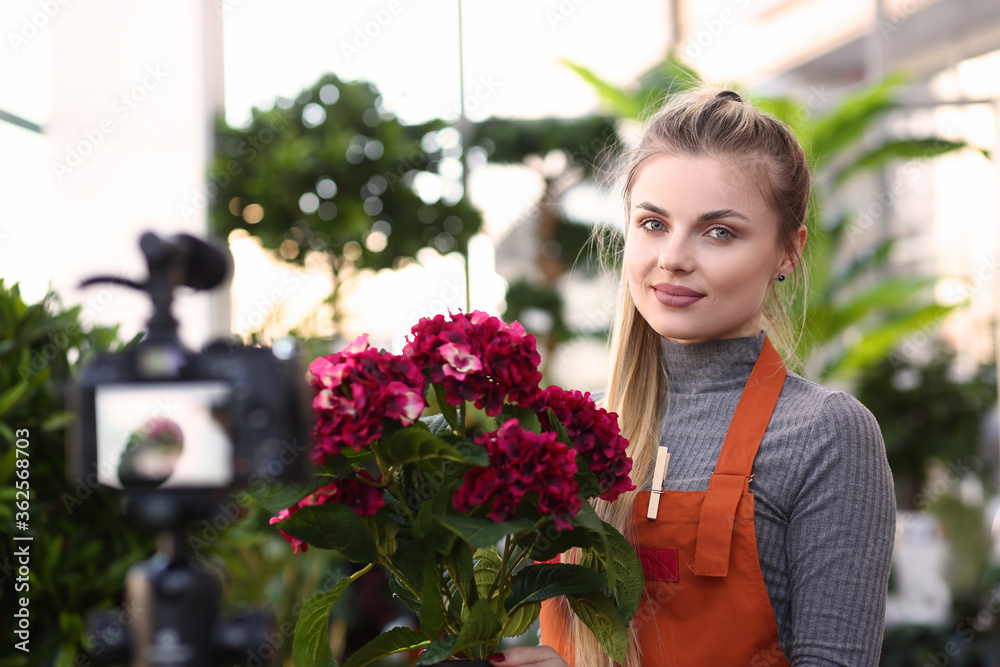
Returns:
<point x="476" y="357"/>
<point x="443" y="495"/>
<point x="364" y="499"/>
<point x="593" y="432"/>
<point x="522" y="463"/>
<point x="358" y="388"/>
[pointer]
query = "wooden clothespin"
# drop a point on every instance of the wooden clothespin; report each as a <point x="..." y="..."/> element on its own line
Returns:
<point x="659" y="479"/>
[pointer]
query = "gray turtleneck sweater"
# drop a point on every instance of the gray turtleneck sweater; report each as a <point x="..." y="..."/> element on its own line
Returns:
<point x="824" y="508"/>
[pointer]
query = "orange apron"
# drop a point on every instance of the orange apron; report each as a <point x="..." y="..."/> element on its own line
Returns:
<point x="704" y="602"/>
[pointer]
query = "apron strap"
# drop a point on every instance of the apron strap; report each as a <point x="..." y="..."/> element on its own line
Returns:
<point x="731" y="478"/>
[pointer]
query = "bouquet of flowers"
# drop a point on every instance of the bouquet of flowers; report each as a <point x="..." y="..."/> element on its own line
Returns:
<point x="462" y="524"/>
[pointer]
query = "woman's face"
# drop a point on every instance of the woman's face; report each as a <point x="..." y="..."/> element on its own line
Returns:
<point x="701" y="249"/>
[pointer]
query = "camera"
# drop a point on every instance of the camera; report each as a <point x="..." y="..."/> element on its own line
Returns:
<point x="157" y="417"/>
<point x="176" y="431"/>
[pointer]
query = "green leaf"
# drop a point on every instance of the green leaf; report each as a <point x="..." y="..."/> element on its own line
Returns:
<point x="14" y="395"/>
<point x="621" y="102"/>
<point x="870" y="259"/>
<point x="479" y="630"/>
<point x="557" y="427"/>
<point x="436" y="506"/>
<point x="404" y="594"/>
<point x="388" y="643"/>
<point x="57" y="422"/>
<point x="383" y="529"/>
<point x="439" y="650"/>
<point x="526" y="419"/>
<point x="488" y="562"/>
<point x="482" y="533"/>
<point x="521" y="619"/>
<point x="448" y="411"/>
<point x="436" y="424"/>
<point x="541" y="582"/>
<point x="311" y="647"/>
<point x="887" y="294"/>
<point x="603" y="619"/>
<point x="587" y="518"/>
<point x="880" y="340"/>
<point x="282" y="495"/>
<point x="590" y="485"/>
<point x="553" y="541"/>
<point x="627" y="592"/>
<point x="432" y="612"/>
<point x="333" y="526"/>
<point x="848" y="121"/>
<point x="410" y="445"/>
<point x="908" y="149"/>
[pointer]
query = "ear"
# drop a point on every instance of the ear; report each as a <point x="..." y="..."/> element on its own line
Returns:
<point x="794" y="254"/>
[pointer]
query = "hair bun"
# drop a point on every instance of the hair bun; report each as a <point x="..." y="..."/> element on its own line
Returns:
<point x="730" y="95"/>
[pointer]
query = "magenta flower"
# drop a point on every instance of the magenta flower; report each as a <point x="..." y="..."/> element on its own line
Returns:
<point x="522" y="463"/>
<point x="358" y="388"/>
<point x="593" y="432"/>
<point x="476" y="357"/>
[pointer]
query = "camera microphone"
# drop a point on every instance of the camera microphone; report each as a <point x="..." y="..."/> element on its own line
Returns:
<point x="194" y="263"/>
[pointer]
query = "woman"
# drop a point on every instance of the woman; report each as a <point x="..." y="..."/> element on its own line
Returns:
<point x="772" y="542"/>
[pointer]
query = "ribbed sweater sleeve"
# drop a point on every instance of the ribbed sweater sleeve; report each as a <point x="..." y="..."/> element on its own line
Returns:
<point x="824" y="507"/>
<point x="838" y="539"/>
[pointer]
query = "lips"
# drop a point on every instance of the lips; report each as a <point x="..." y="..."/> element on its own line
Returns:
<point x="675" y="295"/>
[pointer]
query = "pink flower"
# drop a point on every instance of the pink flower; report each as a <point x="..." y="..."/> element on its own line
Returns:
<point x="357" y="388"/>
<point x="593" y="432"/>
<point x="364" y="499"/>
<point x="522" y="463"/>
<point x="460" y="361"/>
<point x="476" y="357"/>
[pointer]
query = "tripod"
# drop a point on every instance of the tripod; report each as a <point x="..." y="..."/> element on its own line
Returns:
<point x="170" y="616"/>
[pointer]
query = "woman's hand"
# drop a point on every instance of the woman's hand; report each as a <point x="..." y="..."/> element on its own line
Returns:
<point x="537" y="656"/>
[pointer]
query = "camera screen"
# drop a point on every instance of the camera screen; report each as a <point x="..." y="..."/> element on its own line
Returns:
<point x="163" y="435"/>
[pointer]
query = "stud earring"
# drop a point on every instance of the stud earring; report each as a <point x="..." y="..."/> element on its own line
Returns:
<point x="781" y="277"/>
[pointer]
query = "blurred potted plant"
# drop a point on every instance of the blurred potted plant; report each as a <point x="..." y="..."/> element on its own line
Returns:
<point x="461" y="522"/>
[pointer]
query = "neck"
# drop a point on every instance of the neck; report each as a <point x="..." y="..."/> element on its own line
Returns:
<point x="713" y="365"/>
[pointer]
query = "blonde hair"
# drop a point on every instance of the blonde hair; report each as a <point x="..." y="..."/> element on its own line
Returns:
<point x="701" y="122"/>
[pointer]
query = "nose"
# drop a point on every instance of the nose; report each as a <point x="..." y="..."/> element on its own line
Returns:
<point x="675" y="254"/>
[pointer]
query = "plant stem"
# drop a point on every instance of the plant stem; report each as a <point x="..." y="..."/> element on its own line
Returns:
<point x="524" y="554"/>
<point x="508" y="548"/>
<point x="461" y="418"/>
<point x="387" y="564"/>
<point x="390" y="483"/>
<point x="373" y="483"/>
<point x="362" y="572"/>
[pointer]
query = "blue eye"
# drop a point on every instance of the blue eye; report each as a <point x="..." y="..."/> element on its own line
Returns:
<point x="652" y="224"/>
<point x="720" y="233"/>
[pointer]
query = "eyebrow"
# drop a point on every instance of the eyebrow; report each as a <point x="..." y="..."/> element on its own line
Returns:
<point x="718" y="214"/>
